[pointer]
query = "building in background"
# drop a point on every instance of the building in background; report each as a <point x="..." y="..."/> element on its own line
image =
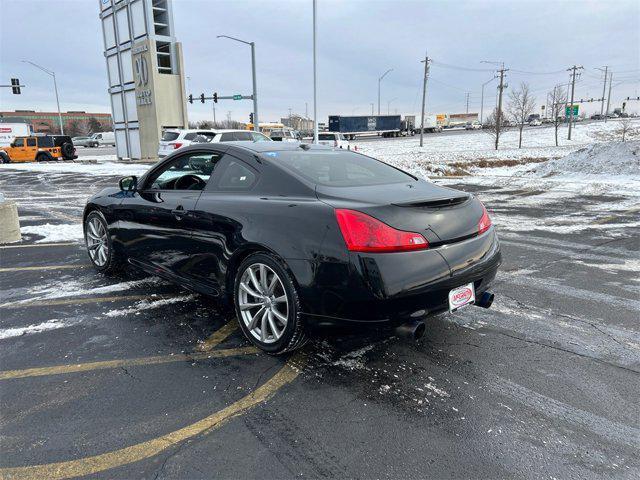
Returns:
<point x="298" y="122"/>
<point x="75" y="123"/>
<point x="145" y="74"/>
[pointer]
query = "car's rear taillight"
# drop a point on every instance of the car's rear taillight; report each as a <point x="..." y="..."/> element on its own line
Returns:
<point x="485" y="221"/>
<point x="175" y="145"/>
<point x="363" y="233"/>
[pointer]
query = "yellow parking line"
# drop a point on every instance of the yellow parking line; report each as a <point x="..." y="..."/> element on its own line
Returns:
<point x="135" y="453"/>
<point x="214" y="340"/>
<point x="30" y="245"/>
<point x="72" y="301"/>
<point x="132" y="362"/>
<point x="608" y="218"/>
<point x="218" y="336"/>
<point x="44" y="267"/>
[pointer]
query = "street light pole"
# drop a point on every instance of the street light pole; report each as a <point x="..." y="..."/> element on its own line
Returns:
<point x="482" y="99"/>
<point x="315" y="78"/>
<point x="55" y="87"/>
<point x="379" y="80"/>
<point x="253" y="75"/>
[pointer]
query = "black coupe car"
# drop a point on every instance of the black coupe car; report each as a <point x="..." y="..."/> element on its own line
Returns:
<point x="298" y="236"/>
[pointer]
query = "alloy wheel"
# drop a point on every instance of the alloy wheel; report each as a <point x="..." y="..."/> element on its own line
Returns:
<point x="97" y="241"/>
<point x="263" y="303"/>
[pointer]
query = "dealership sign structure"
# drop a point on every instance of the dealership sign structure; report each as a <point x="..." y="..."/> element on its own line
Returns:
<point x="145" y="72"/>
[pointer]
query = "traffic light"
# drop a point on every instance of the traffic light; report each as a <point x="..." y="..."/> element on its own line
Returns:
<point x="251" y="118"/>
<point x="202" y="97"/>
<point x="16" y="86"/>
<point x="215" y="97"/>
<point x="190" y="98"/>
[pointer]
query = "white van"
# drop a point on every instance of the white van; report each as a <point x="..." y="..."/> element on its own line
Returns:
<point x="103" y="138"/>
<point x="9" y="131"/>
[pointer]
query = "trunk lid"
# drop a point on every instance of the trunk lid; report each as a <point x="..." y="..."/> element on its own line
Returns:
<point x="442" y="215"/>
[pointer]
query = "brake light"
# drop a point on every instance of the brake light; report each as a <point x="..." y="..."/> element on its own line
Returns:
<point x="176" y="145"/>
<point x="363" y="233"/>
<point x="485" y="221"/>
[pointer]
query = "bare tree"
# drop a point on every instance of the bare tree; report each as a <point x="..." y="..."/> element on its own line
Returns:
<point x="521" y="105"/>
<point x="557" y="99"/>
<point x="490" y="125"/>
<point x="625" y="127"/>
<point x="94" y="125"/>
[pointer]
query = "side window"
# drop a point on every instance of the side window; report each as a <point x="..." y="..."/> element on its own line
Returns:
<point x="235" y="175"/>
<point x="190" y="136"/>
<point x="31" y="142"/>
<point x="243" y="136"/>
<point x="227" y="137"/>
<point x="187" y="172"/>
<point x="19" y="142"/>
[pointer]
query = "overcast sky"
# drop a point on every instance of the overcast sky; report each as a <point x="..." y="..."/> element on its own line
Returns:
<point x="357" y="42"/>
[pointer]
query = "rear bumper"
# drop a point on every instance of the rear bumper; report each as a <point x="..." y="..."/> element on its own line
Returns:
<point x="391" y="288"/>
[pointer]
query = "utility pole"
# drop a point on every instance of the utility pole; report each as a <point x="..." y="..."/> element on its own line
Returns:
<point x="315" y="79"/>
<point x="467" y="96"/>
<point x="573" y="70"/>
<point x="604" y="87"/>
<point x="424" y="95"/>
<point x="501" y="87"/>
<point x="608" y="97"/>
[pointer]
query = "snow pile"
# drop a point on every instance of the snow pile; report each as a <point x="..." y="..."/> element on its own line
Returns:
<point x="55" y="233"/>
<point x="610" y="158"/>
<point x="107" y="168"/>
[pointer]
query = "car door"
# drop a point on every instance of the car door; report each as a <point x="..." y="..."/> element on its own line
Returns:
<point x="31" y="148"/>
<point x="156" y="221"/>
<point x="219" y="219"/>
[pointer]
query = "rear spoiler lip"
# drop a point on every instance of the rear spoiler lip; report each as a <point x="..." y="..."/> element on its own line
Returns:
<point x="434" y="202"/>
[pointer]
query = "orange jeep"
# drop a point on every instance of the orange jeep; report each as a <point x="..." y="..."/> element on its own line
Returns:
<point x="39" y="149"/>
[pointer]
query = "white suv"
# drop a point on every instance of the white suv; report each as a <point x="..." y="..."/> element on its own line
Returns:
<point x="174" y="139"/>
<point x="334" y="139"/>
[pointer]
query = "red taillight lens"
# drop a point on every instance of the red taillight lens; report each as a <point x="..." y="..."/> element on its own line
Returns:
<point x="363" y="233"/>
<point x="485" y="221"/>
<point x="175" y="145"/>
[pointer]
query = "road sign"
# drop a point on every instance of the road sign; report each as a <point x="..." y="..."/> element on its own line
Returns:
<point x="237" y="97"/>
<point x="575" y="110"/>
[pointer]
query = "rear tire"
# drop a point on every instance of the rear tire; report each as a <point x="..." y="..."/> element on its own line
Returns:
<point x="267" y="304"/>
<point x="4" y="158"/>
<point x="44" y="157"/>
<point x="99" y="245"/>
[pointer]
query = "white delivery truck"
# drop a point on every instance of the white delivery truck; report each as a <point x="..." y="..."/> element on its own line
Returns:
<point x="103" y="138"/>
<point x="9" y="131"/>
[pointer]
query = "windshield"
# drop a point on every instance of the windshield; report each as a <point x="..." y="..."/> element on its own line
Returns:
<point x="326" y="136"/>
<point x="339" y="168"/>
<point x="169" y="136"/>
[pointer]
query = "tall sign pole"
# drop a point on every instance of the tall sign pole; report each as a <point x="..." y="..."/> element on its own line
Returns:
<point x="499" y="112"/>
<point x="424" y="95"/>
<point x="255" y="88"/>
<point x="315" y="78"/>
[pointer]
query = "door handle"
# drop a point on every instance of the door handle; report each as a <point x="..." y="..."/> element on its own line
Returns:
<point x="179" y="212"/>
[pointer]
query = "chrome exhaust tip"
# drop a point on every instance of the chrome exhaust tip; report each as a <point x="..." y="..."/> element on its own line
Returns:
<point x="413" y="330"/>
<point x="485" y="300"/>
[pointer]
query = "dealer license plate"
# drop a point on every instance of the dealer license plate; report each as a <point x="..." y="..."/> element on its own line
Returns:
<point x="461" y="297"/>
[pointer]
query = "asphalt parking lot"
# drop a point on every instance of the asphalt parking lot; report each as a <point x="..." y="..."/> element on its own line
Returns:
<point x="131" y="377"/>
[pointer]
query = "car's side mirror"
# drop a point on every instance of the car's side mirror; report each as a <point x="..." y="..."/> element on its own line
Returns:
<point x="12" y="144"/>
<point x="128" y="184"/>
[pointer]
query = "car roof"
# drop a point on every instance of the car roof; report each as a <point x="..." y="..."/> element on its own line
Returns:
<point x="262" y="147"/>
<point x="212" y="130"/>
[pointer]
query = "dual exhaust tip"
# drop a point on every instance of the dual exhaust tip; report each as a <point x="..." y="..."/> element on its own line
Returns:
<point x="415" y="329"/>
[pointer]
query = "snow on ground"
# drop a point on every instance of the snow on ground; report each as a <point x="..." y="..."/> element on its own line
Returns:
<point x="66" y="232"/>
<point x="36" y="328"/>
<point x="101" y="167"/>
<point x="440" y="151"/>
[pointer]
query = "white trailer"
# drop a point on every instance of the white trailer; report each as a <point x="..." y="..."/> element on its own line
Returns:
<point x="431" y="124"/>
<point x="9" y="131"/>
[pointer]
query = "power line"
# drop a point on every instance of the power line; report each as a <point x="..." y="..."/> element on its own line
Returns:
<point x="456" y="67"/>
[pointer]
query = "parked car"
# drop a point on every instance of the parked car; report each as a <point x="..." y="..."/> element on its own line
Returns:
<point x="536" y="122"/>
<point x="38" y="149"/>
<point x="597" y="116"/>
<point x="174" y="139"/>
<point x="473" y="126"/>
<point x="333" y="139"/>
<point x="83" y="142"/>
<point x="283" y="135"/>
<point x="297" y="236"/>
<point x="100" y="139"/>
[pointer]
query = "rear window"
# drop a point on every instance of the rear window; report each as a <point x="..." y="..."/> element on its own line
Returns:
<point x="45" y="141"/>
<point x="169" y="136"/>
<point x="339" y="168"/>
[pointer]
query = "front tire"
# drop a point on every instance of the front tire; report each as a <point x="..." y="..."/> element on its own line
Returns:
<point x="4" y="158"/>
<point x="99" y="245"/>
<point x="267" y="304"/>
